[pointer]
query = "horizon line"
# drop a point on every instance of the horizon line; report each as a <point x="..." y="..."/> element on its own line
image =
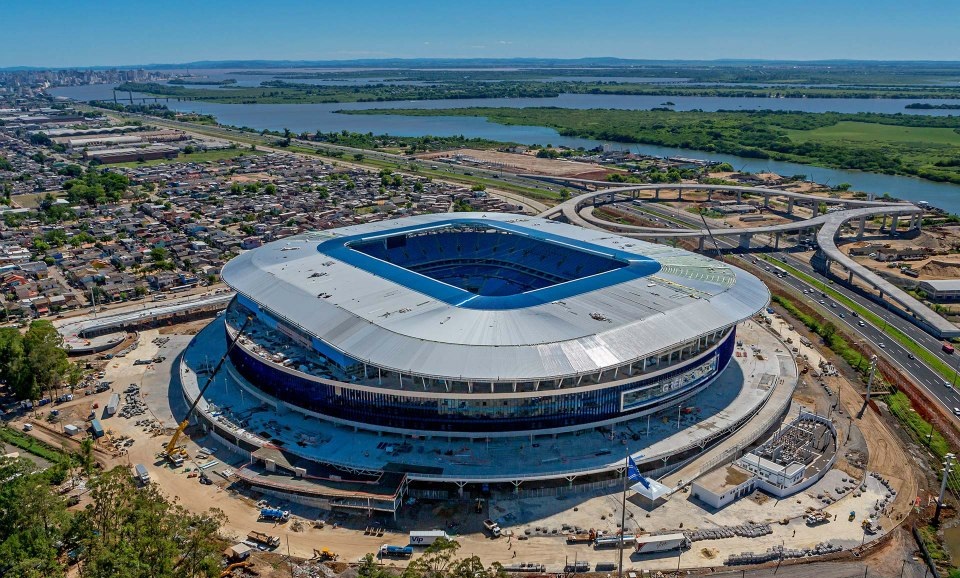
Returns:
<point x="231" y="63"/>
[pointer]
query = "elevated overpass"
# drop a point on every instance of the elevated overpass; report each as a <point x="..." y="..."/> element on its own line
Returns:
<point x="579" y="210"/>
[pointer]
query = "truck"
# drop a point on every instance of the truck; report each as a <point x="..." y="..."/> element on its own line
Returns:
<point x="96" y="429"/>
<point x="426" y="537"/>
<point x="264" y="538"/>
<point x="492" y="527"/>
<point x="140" y="472"/>
<point x="388" y="551"/>
<point x="112" y="405"/>
<point x="663" y="543"/>
<point x="274" y="514"/>
<point x="613" y="541"/>
<point x="533" y="567"/>
<point x="582" y="538"/>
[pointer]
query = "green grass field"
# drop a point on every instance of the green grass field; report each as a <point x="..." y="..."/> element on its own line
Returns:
<point x="877" y="134"/>
<point x="199" y="157"/>
<point x="32" y="200"/>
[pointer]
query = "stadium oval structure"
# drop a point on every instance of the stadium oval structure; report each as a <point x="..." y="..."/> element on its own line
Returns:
<point x="489" y="325"/>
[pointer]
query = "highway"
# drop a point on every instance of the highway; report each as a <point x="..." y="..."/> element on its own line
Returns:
<point x="891" y="350"/>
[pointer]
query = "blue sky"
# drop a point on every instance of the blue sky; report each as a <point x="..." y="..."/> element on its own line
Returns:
<point x="113" y="32"/>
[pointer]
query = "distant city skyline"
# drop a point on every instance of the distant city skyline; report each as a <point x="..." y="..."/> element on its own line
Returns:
<point x="61" y="33"/>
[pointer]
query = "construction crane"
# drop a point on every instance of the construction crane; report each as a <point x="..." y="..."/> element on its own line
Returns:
<point x="173" y="453"/>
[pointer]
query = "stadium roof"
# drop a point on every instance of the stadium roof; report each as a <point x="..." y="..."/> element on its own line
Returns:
<point x="408" y="322"/>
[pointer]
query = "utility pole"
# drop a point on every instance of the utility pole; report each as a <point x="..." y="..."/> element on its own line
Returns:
<point x="947" y="469"/>
<point x="873" y="370"/>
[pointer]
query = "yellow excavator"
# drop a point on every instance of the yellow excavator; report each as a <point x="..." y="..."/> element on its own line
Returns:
<point x="324" y="555"/>
<point x="174" y="453"/>
<point x="228" y="571"/>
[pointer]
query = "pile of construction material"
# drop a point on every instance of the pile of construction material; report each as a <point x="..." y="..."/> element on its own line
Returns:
<point x="133" y="406"/>
<point x="743" y="530"/>
<point x="781" y="553"/>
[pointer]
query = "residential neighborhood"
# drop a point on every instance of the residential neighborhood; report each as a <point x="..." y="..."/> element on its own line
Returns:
<point x="65" y="245"/>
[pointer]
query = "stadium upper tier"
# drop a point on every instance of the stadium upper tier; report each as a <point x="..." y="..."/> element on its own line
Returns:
<point x="488" y="297"/>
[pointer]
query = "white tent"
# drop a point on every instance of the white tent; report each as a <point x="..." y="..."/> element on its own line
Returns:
<point x="650" y="489"/>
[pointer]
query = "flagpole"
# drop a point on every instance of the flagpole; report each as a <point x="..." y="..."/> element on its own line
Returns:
<point x="623" y="511"/>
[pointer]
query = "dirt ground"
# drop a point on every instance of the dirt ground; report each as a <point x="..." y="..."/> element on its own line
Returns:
<point x="943" y="263"/>
<point x="525" y="163"/>
<point x="886" y="454"/>
<point x="886" y="457"/>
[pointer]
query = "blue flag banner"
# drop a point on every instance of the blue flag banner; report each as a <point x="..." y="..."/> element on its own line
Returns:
<point x="633" y="473"/>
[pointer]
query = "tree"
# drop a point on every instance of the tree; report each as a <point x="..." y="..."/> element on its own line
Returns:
<point x="35" y="362"/>
<point x="358" y="157"/>
<point x="828" y="330"/>
<point x="134" y="532"/>
<point x="12" y="356"/>
<point x="45" y="358"/>
<point x="564" y="194"/>
<point x="33" y="521"/>
<point x="370" y="569"/>
<point x="86" y="456"/>
<point x="158" y="254"/>
<point x="435" y="560"/>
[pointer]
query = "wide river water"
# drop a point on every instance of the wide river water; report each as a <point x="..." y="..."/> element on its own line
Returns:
<point x="323" y="117"/>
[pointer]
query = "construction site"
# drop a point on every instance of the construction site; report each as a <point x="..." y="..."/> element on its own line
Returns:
<point x="851" y="471"/>
<point x="778" y="456"/>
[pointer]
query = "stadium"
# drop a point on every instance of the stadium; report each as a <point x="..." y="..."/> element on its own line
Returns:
<point x="481" y="326"/>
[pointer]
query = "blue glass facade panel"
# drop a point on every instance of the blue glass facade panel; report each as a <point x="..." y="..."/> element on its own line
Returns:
<point x="483" y="414"/>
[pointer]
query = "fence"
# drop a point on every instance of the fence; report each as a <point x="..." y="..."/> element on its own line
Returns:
<point x="565" y="490"/>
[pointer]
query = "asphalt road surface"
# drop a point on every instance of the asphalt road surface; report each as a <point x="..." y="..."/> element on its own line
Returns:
<point x="886" y="347"/>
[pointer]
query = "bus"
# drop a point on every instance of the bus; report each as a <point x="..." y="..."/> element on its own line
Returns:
<point x="948" y="348"/>
<point x="779" y="272"/>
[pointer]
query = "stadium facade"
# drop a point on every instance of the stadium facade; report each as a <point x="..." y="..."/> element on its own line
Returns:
<point x="482" y="325"/>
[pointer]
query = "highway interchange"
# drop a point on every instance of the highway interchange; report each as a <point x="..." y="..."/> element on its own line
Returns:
<point x="885" y="346"/>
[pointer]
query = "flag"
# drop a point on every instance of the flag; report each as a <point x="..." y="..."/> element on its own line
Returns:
<point x="633" y="473"/>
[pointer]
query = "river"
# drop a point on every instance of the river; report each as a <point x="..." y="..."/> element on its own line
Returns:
<point x="323" y="117"/>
